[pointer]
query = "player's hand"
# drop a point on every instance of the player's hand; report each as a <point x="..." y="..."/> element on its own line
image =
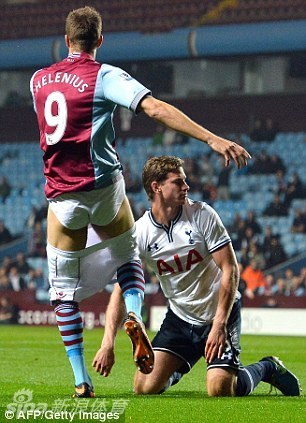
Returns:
<point x="104" y="361"/>
<point x="230" y="151"/>
<point x="215" y="342"/>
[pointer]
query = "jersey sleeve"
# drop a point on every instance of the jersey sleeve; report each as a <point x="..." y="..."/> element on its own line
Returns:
<point x="212" y="228"/>
<point x="32" y="90"/>
<point x="121" y="88"/>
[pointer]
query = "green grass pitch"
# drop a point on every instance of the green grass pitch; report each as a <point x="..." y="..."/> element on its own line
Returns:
<point x="33" y="358"/>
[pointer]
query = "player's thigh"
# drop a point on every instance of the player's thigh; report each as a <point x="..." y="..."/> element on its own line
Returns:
<point x="123" y="221"/>
<point x="221" y="381"/>
<point x="62" y="237"/>
<point x="164" y="366"/>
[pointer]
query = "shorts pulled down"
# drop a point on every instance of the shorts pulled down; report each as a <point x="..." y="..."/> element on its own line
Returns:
<point x="77" y="275"/>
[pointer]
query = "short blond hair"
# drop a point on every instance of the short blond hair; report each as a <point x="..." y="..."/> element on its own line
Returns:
<point x="84" y="27"/>
<point x="157" y="169"/>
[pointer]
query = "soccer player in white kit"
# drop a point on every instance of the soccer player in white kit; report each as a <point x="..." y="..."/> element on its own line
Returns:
<point x="185" y="244"/>
<point x="74" y="101"/>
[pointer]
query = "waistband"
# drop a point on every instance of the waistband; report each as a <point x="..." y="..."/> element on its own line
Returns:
<point x="112" y="180"/>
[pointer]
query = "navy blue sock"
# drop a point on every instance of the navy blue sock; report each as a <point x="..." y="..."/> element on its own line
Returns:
<point x="250" y="376"/>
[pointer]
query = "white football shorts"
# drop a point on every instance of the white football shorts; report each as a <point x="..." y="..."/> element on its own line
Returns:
<point x="77" y="210"/>
<point x="77" y="275"/>
<point x="92" y="276"/>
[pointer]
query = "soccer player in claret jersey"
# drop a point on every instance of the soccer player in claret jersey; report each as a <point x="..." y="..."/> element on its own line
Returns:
<point x="74" y="101"/>
<point x="186" y="245"/>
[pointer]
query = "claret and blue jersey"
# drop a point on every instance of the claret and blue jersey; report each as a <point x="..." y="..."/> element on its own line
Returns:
<point x="74" y="101"/>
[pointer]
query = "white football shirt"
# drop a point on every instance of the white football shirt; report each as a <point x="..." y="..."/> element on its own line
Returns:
<point x="181" y="258"/>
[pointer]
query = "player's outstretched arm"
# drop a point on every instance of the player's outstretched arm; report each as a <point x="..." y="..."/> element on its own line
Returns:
<point x="105" y="356"/>
<point x="173" y="118"/>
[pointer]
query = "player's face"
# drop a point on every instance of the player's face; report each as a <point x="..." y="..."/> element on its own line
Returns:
<point x="175" y="188"/>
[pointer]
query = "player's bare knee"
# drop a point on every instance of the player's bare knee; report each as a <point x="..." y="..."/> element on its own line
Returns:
<point x="220" y="383"/>
<point x="220" y="389"/>
<point x="141" y="388"/>
<point x="146" y="390"/>
<point x="145" y="385"/>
